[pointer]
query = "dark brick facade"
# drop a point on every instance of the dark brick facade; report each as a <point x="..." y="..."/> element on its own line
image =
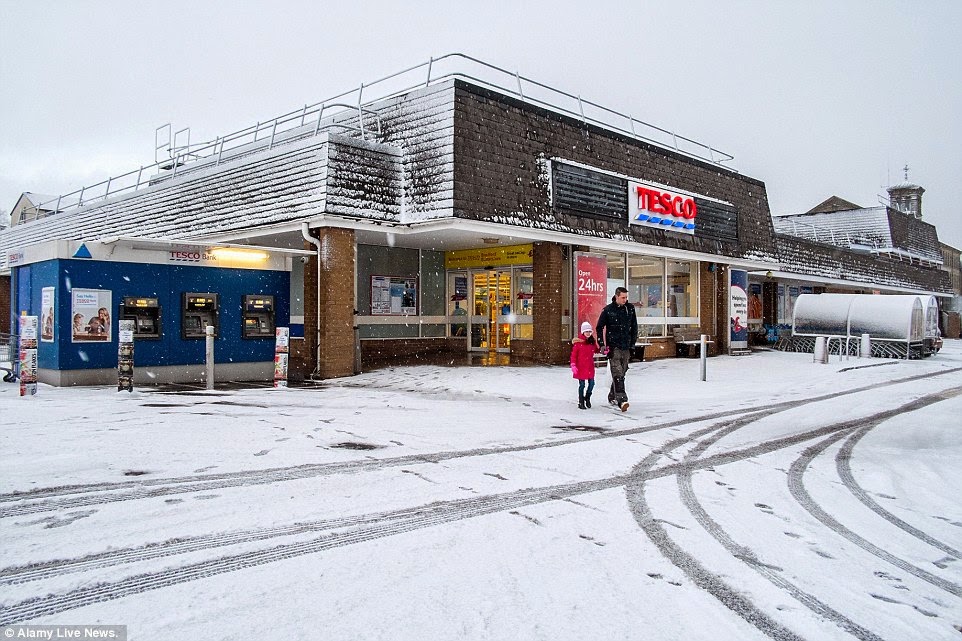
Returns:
<point x="501" y="149"/>
<point x="911" y="234"/>
<point x="547" y="345"/>
<point x="336" y="302"/>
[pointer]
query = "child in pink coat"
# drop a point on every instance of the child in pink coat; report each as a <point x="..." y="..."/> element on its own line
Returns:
<point x="583" y="350"/>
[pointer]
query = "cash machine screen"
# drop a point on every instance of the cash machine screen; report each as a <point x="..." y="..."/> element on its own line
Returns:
<point x="258" y="316"/>
<point x="145" y="312"/>
<point x="199" y="310"/>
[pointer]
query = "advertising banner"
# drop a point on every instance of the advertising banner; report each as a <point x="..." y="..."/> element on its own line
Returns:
<point x="738" y="309"/>
<point x="125" y="356"/>
<point x="28" y="355"/>
<point x="282" y="341"/>
<point x="591" y="288"/>
<point x="489" y="257"/>
<point x="90" y="316"/>
<point x="48" y="318"/>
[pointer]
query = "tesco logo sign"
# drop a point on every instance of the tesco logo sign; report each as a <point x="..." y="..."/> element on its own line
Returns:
<point x="652" y="206"/>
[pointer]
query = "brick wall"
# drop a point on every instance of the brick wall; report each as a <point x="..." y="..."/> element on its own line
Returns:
<point x="501" y="147"/>
<point x="714" y="306"/>
<point x="376" y="352"/>
<point x="547" y="345"/>
<point x="912" y="234"/>
<point x="336" y="303"/>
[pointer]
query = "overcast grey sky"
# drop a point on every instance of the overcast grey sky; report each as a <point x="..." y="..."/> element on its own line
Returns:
<point x="814" y="98"/>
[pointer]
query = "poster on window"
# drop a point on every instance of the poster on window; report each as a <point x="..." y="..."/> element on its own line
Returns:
<point x="591" y="287"/>
<point x="47" y="319"/>
<point x="90" y="316"/>
<point x="738" y="309"/>
<point x="393" y="295"/>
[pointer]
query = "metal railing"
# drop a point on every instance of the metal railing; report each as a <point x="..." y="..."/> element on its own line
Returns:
<point x="356" y="118"/>
<point x="831" y="236"/>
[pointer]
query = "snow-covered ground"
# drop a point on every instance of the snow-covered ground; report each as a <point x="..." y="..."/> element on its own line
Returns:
<point x="780" y="499"/>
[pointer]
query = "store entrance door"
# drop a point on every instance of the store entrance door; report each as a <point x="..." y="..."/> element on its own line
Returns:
<point x="491" y="303"/>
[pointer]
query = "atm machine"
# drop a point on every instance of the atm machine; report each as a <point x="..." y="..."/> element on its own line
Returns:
<point x="258" y="316"/>
<point x="145" y="312"/>
<point x="197" y="312"/>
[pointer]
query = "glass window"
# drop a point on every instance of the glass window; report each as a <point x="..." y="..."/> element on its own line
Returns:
<point x="682" y="300"/>
<point x="663" y="291"/>
<point x="646" y="290"/>
<point x="616" y="272"/>
<point x="524" y="303"/>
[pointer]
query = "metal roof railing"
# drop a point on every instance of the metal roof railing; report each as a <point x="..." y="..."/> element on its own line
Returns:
<point x="358" y="118"/>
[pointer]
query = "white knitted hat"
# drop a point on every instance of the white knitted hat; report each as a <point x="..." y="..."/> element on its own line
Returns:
<point x="586" y="327"/>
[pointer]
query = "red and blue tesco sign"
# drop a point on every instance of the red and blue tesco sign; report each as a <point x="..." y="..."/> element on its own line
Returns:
<point x="653" y="206"/>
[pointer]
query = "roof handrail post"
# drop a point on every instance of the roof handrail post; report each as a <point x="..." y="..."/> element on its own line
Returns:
<point x="303" y="114"/>
<point x="430" y="64"/>
<point x="674" y="141"/>
<point x="320" y="113"/>
<point x="107" y="191"/>
<point x="631" y="122"/>
<point x="517" y="76"/>
<point x="139" y="174"/>
<point x="57" y="210"/>
<point x="176" y="162"/>
<point x="80" y="201"/>
<point x="360" y="112"/>
<point x="581" y="108"/>
<point x="273" y="131"/>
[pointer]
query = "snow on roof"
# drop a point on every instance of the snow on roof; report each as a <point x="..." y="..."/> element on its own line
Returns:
<point x="49" y="202"/>
<point x="803" y="257"/>
<point x="905" y="186"/>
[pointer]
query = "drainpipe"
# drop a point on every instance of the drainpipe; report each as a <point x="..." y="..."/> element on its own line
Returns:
<point x="317" y="301"/>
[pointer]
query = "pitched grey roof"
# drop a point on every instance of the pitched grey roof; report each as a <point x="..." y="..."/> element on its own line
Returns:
<point x="804" y="257"/>
<point x="407" y="176"/>
<point x="879" y="229"/>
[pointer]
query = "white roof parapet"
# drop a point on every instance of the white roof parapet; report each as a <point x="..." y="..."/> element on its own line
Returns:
<point x="357" y="117"/>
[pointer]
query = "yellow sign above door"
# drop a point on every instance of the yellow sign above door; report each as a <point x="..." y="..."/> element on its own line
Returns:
<point x="489" y="257"/>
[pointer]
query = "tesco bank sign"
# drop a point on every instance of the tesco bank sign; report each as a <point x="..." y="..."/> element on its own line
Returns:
<point x="654" y="206"/>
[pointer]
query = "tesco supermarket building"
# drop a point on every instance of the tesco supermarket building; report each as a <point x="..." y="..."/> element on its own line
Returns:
<point x="476" y="213"/>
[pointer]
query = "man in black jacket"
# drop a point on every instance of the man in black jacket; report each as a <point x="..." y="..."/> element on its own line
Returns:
<point x="618" y="330"/>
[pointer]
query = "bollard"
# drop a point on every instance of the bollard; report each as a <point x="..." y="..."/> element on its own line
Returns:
<point x="210" y="356"/>
<point x="820" y="355"/>
<point x="865" y="346"/>
<point x="704" y="356"/>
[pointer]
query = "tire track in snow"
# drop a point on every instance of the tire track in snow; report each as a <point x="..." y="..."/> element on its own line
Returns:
<point x="693" y="569"/>
<point x="796" y="486"/>
<point x="23" y="574"/>
<point x="75" y="496"/>
<point x="411" y="519"/>
<point x="843" y="465"/>
<point x="747" y="556"/>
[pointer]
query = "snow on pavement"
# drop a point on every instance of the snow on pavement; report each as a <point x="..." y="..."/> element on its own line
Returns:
<point x="779" y="499"/>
